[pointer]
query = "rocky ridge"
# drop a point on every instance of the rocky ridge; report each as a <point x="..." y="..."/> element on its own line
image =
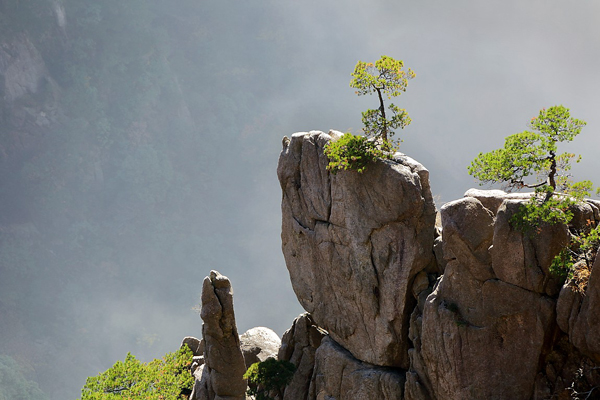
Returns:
<point x="401" y="307"/>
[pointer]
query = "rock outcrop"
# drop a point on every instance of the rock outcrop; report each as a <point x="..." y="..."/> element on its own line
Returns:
<point x="406" y="306"/>
<point x="258" y="344"/>
<point x="298" y="346"/>
<point x="353" y="244"/>
<point x="338" y="375"/>
<point x="221" y="377"/>
<point x="493" y="309"/>
<point x="474" y="299"/>
<point x="196" y="345"/>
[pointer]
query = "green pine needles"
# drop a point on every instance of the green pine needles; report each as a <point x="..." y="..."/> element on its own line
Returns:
<point x="267" y="379"/>
<point x="530" y="159"/>
<point x="352" y="152"/>
<point x="386" y="78"/>
<point x="159" y="379"/>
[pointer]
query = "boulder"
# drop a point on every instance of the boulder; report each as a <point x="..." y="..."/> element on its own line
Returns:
<point x="298" y="346"/>
<point x="338" y="375"/>
<point x="224" y="362"/>
<point x="196" y="345"/>
<point x="468" y="230"/>
<point x="258" y="344"/>
<point x="353" y="243"/>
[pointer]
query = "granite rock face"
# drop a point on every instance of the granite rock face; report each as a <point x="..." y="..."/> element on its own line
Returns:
<point x="458" y="307"/>
<point x="298" y="346"/>
<point x="578" y="314"/>
<point x="494" y="307"/>
<point x="353" y="244"/>
<point x="338" y="375"/>
<point x="221" y="377"/>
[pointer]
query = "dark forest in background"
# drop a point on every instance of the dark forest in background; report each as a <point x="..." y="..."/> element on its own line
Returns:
<point x="117" y="174"/>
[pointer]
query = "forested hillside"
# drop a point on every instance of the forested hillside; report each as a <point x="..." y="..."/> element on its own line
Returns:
<point x="121" y="124"/>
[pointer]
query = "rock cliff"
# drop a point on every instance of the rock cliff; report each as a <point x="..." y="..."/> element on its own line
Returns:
<point x="467" y="309"/>
<point x="400" y="306"/>
<point x="353" y="244"/>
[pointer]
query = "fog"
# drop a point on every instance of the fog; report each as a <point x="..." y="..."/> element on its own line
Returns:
<point x="116" y="210"/>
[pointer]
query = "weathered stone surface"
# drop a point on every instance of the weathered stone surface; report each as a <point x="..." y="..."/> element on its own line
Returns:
<point x="338" y="375"/>
<point x="472" y="353"/>
<point x="298" y="346"/>
<point x="224" y="362"/>
<point x="353" y="244"/>
<point x="468" y="230"/>
<point x="486" y="314"/>
<point x="258" y="344"/>
<point x="493" y="199"/>
<point x="525" y="261"/>
<point x="195" y="344"/>
<point x="578" y="314"/>
<point x="201" y="391"/>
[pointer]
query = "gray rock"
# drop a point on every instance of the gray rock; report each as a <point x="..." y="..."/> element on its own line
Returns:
<point x="298" y="346"/>
<point x="472" y="339"/>
<point x="353" y="244"/>
<point x="196" y="345"/>
<point x="258" y="344"/>
<point x="468" y="230"/>
<point x="200" y="390"/>
<point x="493" y="199"/>
<point x="578" y="314"/>
<point x="338" y="375"/>
<point x="224" y="362"/>
<point x="197" y="362"/>
<point x="487" y="313"/>
<point x="525" y="261"/>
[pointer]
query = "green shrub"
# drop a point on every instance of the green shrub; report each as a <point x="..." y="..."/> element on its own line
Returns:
<point x="165" y="378"/>
<point x="530" y="159"/>
<point x="269" y="378"/>
<point x="352" y="152"/>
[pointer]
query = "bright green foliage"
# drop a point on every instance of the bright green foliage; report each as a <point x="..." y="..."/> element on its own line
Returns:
<point x="386" y="78"/>
<point x="353" y="153"/>
<point x="269" y="378"/>
<point x="529" y="159"/>
<point x="168" y="378"/>
<point x="582" y="250"/>
<point x="545" y="207"/>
